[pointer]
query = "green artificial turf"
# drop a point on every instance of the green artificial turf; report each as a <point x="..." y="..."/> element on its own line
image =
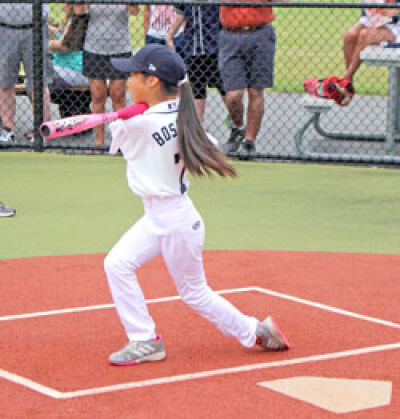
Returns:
<point x="82" y="204"/>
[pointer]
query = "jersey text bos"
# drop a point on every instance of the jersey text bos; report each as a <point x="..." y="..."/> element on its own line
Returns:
<point x="165" y="134"/>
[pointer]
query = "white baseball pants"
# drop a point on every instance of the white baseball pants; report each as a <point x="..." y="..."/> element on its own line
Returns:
<point x="173" y="228"/>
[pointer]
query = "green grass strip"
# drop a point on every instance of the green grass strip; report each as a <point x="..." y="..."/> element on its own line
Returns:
<point x="82" y="204"/>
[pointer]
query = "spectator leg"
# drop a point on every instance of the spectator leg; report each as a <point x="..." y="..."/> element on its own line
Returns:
<point x="46" y="103"/>
<point x="8" y="107"/>
<point x="349" y="43"/>
<point x="117" y="93"/>
<point x="367" y="36"/>
<point x="255" y="112"/>
<point x="234" y="102"/>
<point x="98" y="89"/>
<point x="200" y="105"/>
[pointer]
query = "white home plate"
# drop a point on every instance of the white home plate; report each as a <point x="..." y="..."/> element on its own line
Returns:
<point x="337" y="395"/>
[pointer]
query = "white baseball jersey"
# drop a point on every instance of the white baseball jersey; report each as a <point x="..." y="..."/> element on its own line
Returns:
<point x="149" y="145"/>
<point x="171" y="226"/>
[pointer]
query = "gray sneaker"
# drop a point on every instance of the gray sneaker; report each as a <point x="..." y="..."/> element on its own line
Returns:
<point x="270" y="337"/>
<point x="7" y="136"/>
<point x="140" y="351"/>
<point x="234" y="140"/>
<point x="6" y="211"/>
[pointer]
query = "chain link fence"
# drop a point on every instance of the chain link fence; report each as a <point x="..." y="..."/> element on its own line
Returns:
<point x="309" y="43"/>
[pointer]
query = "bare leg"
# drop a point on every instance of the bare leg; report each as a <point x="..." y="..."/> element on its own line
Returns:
<point x="200" y="105"/>
<point x="98" y="89"/>
<point x="118" y="93"/>
<point x="255" y="113"/>
<point x="46" y="103"/>
<point x="349" y="43"/>
<point x="234" y="102"/>
<point x="370" y="36"/>
<point x="8" y="107"/>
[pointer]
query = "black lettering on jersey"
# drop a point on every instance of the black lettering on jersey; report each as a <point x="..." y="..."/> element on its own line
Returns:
<point x="177" y="158"/>
<point x="165" y="134"/>
<point x="160" y="141"/>
<point x="172" y="128"/>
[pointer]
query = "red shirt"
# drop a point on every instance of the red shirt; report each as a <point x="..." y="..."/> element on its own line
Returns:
<point x="237" y="17"/>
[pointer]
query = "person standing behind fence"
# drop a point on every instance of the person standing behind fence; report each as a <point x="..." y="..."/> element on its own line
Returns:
<point x="199" y="49"/>
<point x="107" y="37"/>
<point x="246" y="62"/>
<point x="68" y="66"/>
<point x="157" y="19"/>
<point x="16" y="46"/>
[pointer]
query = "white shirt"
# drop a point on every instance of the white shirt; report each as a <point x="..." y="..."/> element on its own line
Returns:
<point x="149" y="145"/>
<point x="161" y="18"/>
<point x="374" y="17"/>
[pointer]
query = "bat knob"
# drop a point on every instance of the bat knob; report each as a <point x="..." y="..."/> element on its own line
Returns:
<point x="44" y="130"/>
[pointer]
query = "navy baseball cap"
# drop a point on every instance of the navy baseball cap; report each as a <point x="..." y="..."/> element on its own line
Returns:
<point x="156" y="59"/>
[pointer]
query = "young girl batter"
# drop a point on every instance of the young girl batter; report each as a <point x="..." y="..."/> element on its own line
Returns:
<point x="159" y="147"/>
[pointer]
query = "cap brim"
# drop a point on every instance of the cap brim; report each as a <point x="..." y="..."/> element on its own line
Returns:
<point x="126" y="65"/>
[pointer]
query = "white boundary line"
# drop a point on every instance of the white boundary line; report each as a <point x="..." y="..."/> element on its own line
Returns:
<point x="327" y="307"/>
<point x="225" y="371"/>
<point x="32" y="385"/>
<point x="55" y="394"/>
<point x="48" y="391"/>
<point x="221" y="292"/>
<point x="106" y="306"/>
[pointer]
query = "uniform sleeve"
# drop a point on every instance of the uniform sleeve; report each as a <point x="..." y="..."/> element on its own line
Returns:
<point x="119" y="135"/>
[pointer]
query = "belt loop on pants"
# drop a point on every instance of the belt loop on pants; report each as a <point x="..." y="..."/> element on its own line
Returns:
<point x="245" y="29"/>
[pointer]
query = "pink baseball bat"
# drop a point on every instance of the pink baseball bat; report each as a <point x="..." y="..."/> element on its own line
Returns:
<point x="78" y="123"/>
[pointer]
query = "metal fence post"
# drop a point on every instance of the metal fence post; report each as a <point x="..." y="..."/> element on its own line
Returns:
<point x="37" y="51"/>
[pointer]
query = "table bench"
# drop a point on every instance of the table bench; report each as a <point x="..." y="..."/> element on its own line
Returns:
<point x="373" y="55"/>
<point x="388" y="57"/>
<point x="71" y="100"/>
<point x="21" y="90"/>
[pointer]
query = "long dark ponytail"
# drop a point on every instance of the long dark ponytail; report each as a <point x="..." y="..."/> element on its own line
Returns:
<point x="200" y="156"/>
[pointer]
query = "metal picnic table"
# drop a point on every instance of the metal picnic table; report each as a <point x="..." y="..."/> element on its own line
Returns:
<point x="374" y="56"/>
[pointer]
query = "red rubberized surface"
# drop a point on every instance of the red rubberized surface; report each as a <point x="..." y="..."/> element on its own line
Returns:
<point x="68" y="352"/>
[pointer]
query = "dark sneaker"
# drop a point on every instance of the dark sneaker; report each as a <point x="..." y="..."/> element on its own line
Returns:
<point x="270" y="337"/>
<point x="140" y="351"/>
<point x="6" y="211"/>
<point x="236" y="137"/>
<point x="247" y="150"/>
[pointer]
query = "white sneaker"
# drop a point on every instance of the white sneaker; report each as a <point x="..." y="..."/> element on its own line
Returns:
<point x="270" y="337"/>
<point x="7" y="136"/>
<point x="6" y="211"/>
<point x="137" y="352"/>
